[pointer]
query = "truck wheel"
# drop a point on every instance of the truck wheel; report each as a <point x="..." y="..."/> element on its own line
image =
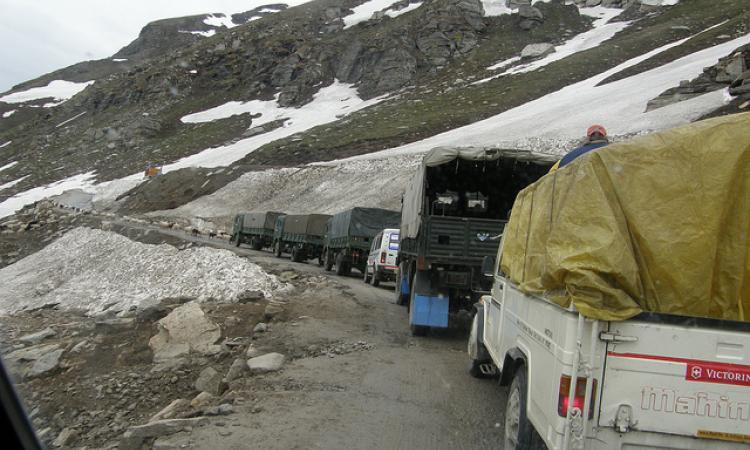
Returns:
<point x="236" y="240"/>
<point x="375" y="277"/>
<point x="295" y="254"/>
<point x="257" y="244"/>
<point x="328" y="262"/>
<point x="401" y="299"/>
<point x="277" y="249"/>
<point x="340" y="266"/>
<point x="416" y="330"/>
<point x="366" y="276"/>
<point x="519" y="432"/>
<point x="477" y="352"/>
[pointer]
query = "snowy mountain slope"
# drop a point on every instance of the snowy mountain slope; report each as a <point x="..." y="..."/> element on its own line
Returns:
<point x="148" y="116"/>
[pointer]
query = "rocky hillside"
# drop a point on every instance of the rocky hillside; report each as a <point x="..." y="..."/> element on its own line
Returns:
<point x="416" y="69"/>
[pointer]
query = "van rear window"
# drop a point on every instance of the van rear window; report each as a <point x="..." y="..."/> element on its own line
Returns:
<point x="393" y="242"/>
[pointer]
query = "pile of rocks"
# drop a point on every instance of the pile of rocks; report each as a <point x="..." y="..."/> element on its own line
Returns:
<point x="732" y="72"/>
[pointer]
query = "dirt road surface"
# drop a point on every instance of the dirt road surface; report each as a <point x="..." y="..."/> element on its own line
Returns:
<point x="403" y="393"/>
<point x="353" y="378"/>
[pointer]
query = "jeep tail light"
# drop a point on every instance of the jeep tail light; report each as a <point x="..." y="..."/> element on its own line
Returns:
<point x="564" y="402"/>
<point x="382" y="258"/>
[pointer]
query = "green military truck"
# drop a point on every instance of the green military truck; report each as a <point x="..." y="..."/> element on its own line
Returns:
<point x="350" y="234"/>
<point x="453" y="211"/>
<point x="300" y="235"/>
<point x="254" y="228"/>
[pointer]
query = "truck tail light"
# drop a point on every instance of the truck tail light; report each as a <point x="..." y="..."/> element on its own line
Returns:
<point x="382" y="258"/>
<point x="564" y="402"/>
<point x="422" y="263"/>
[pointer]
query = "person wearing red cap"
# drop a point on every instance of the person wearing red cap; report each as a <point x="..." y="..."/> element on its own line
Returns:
<point x="596" y="136"/>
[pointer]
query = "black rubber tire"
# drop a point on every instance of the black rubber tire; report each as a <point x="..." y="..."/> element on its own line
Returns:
<point x="257" y="244"/>
<point x="375" y="277"/>
<point x="327" y="261"/>
<point x="522" y="433"/>
<point x="295" y="254"/>
<point x="340" y="265"/>
<point x="236" y="240"/>
<point x="400" y="298"/>
<point x="366" y="276"/>
<point x="277" y="249"/>
<point x="320" y="260"/>
<point x="416" y="330"/>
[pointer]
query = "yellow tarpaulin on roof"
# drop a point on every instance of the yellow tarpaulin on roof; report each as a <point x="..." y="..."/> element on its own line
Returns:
<point x="660" y="223"/>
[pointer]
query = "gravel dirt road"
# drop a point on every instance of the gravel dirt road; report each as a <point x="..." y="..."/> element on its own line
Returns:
<point x="402" y="393"/>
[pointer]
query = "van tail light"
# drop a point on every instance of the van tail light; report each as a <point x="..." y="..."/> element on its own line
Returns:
<point x="564" y="402"/>
<point x="382" y="258"/>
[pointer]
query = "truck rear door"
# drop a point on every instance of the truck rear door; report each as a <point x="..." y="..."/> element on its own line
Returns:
<point x="687" y="377"/>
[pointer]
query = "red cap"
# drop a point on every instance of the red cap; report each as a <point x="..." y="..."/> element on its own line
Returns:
<point x="596" y="129"/>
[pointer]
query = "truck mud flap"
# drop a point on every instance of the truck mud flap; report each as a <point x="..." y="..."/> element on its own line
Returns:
<point x="428" y="306"/>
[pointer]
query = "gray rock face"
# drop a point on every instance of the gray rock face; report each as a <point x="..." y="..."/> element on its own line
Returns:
<point x="236" y="370"/>
<point x="531" y="17"/>
<point x="171" y="410"/>
<point x="260" y="328"/>
<point x="270" y="362"/>
<point x="35" y="361"/>
<point x="515" y="4"/>
<point x="185" y="330"/>
<point x="39" y="336"/>
<point x="537" y="50"/>
<point x="272" y="310"/>
<point x="66" y="436"/>
<point x="210" y="381"/>
<point x="135" y="436"/>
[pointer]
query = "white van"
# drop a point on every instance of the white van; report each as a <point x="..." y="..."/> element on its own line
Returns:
<point x="381" y="263"/>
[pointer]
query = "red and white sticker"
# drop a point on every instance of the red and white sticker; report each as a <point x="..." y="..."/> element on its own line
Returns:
<point x="708" y="372"/>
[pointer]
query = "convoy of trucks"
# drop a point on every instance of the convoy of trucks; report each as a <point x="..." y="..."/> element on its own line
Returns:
<point x="611" y="295"/>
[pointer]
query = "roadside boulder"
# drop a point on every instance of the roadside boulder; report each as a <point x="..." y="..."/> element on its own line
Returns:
<point x="134" y="437"/>
<point x="39" y="336"/>
<point x="35" y="361"/>
<point x="236" y="370"/>
<point x="210" y="381"/>
<point x="537" y="50"/>
<point x="201" y="400"/>
<point x="270" y="362"/>
<point x="185" y="330"/>
<point x="171" y="411"/>
<point x="272" y="310"/>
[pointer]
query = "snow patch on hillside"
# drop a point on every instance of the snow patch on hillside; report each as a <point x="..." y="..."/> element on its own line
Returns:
<point x="60" y="90"/>
<point x="564" y="115"/>
<point x="8" y="166"/>
<point x="7" y="114"/>
<point x="397" y="12"/>
<point x="364" y="12"/>
<point x="311" y="189"/>
<point x="329" y="104"/>
<point x="5" y="144"/>
<point x="18" y="201"/>
<point x="95" y="270"/>
<point x="10" y="184"/>
<point x="499" y="7"/>
<point x="219" y="20"/>
<point x="602" y="31"/>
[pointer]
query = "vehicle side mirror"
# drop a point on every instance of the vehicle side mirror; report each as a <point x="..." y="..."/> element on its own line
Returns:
<point x="488" y="266"/>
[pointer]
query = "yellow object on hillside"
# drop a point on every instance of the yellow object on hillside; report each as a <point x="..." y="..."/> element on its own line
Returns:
<point x="659" y="223"/>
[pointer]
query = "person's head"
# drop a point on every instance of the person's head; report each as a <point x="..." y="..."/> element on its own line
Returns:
<point x="596" y="133"/>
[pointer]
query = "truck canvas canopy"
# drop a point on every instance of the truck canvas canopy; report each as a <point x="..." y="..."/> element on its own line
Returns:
<point x="660" y="223"/>
<point x="468" y="182"/>
<point x="361" y="222"/>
